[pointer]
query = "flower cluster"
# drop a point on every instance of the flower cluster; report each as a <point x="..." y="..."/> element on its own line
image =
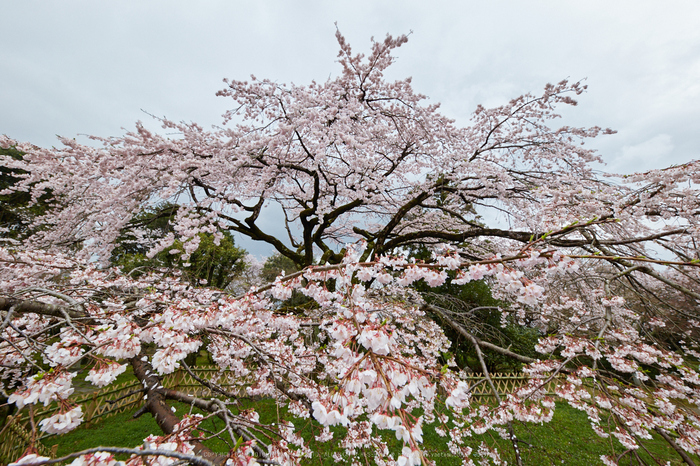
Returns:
<point x="45" y="388"/>
<point x="62" y="422"/>
<point x="104" y="374"/>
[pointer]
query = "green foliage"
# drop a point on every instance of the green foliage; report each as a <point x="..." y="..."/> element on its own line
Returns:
<point x="473" y="307"/>
<point x="272" y="268"/>
<point x="275" y="265"/>
<point x="155" y="223"/>
<point x="218" y="264"/>
<point x="16" y="209"/>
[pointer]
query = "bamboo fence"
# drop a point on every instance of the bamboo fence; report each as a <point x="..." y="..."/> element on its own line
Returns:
<point x="16" y="435"/>
<point x="505" y="383"/>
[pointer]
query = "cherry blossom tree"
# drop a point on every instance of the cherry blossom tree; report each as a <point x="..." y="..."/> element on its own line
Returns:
<point x="361" y="169"/>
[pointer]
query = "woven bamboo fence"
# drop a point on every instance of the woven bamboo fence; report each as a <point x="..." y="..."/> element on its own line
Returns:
<point x="109" y="401"/>
<point x="16" y="435"/>
<point x="505" y="383"/>
<point x="14" y="440"/>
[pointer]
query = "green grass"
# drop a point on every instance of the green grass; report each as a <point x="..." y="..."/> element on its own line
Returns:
<point x="567" y="440"/>
<point x="121" y="430"/>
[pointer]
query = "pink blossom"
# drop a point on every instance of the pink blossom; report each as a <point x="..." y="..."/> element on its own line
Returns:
<point x="31" y="458"/>
<point x="106" y="374"/>
<point x="62" y="422"/>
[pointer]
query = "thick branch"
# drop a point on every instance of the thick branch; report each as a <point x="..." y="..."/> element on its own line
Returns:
<point x="37" y="307"/>
<point x="675" y="446"/>
<point x="159" y="408"/>
<point x="253" y="232"/>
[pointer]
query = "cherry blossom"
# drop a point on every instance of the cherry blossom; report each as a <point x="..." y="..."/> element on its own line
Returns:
<point x="603" y="269"/>
<point x="106" y="374"/>
<point x="62" y="422"/>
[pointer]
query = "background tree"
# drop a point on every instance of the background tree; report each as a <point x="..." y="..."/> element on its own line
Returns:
<point x="275" y="265"/>
<point x="471" y="308"/>
<point x="216" y="262"/>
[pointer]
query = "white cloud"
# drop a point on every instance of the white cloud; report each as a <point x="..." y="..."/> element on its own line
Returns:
<point x="647" y="155"/>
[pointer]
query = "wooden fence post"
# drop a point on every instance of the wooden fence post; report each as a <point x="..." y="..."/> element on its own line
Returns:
<point x="90" y="407"/>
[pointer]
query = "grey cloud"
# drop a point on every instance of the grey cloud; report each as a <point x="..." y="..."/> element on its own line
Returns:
<point x="75" y="67"/>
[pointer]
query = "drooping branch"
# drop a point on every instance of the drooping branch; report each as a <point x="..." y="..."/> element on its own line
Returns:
<point x="216" y="407"/>
<point x="494" y="391"/>
<point x="484" y="344"/>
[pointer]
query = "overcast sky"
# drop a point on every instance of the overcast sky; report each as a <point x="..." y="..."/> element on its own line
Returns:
<point x="87" y="67"/>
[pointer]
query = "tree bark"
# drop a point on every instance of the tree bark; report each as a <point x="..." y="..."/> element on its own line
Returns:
<point x="160" y="410"/>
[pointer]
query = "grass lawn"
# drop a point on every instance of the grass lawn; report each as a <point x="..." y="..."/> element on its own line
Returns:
<point x="567" y="440"/>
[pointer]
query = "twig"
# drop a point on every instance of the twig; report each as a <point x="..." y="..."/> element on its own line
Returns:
<point x="194" y="459"/>
<point x="513" y="438"/>
<point x="207" y="383"/>
<point x="8" y="318"/>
